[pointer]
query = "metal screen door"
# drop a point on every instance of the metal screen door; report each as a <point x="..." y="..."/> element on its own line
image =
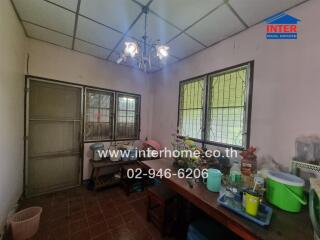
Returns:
<point x="53" y="136"/>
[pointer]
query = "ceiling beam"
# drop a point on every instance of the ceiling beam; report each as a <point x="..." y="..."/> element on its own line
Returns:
<point x="19" y="18"/>
<point x="76" y="24"/>
<point x="237" y="15"/>
<point x="187" y="28"/>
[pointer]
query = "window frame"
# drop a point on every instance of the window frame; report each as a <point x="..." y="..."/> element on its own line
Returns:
<point x="114" y="115"/>
<point x="111" y="109"/>
<point x="204" y="79"/>
<point x="248" y="105"/>
<point x="137" y="112"/>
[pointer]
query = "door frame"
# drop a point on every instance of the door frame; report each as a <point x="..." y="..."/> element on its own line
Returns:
<point x="28" y="79"/>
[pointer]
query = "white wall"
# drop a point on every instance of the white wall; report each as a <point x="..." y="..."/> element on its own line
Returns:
<point x="50" y="61"/>
<point x="11" y="107"/>
<point x="285" y="90"/>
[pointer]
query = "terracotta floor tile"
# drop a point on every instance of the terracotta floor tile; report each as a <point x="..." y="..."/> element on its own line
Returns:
<point x="98" y="229"/>
<point x="135" y="225"/>
<point x="105" y="236"/>
<point x="83" y="215"/>
<point x="59" y="233"/>
<point x="57" y="223"/>
<point x="93" y="210"/>
<point x="77" y="215"/>
<point x="76" y="208"/>
<point x="94" y="219"/>
<point x="141" y="235"/>
<point x="120" y="233"/>
<point x="129" y="216"/>
<point x="110" y="212"/>
<point x="115" y="222"/>
<point x="90" y="202"/>
<point x="107" y="204"/>
<point x="60" y="204"/>
<point x="81" y="235"/>
<point x="61" y="214"/>
<point x="77" y="226"/>
<point x="119" y="198"/>
<point x="124" y="208"/>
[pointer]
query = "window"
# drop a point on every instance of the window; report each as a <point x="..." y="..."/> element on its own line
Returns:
<point x="98" y="117"/>
<point x="191" y="108"/>
<point x="111" y="115"/>
<point x="225" y="105"/>
<point x="127" y="123"/>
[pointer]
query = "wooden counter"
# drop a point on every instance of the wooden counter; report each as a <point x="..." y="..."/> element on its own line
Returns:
<point x="284" y="225"/>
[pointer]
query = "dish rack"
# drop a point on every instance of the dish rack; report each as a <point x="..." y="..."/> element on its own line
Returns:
<point x="296" y="166"/>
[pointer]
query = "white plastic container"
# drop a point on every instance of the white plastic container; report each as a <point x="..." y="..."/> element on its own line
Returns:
<point x="308" y="148"/>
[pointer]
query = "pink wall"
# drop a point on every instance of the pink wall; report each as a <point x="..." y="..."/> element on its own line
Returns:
<point x="286" y="84"/>
<point x="12" y="66"/>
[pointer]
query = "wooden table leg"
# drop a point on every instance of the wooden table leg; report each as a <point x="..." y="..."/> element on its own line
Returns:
<point x="92" y="173"/>
<point x="95" y="177"/>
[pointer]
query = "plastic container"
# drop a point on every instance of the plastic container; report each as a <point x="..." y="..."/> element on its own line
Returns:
<point x="314" y="206"/>
<point x="252" y="203"/>
<point x="25" y="224"/>
<point x="95" y="148"/>
<point x="308" y="148"/>
<point x="213" y="181"/>
<point x="235" y="173"/>
<point x="285" y="191"/>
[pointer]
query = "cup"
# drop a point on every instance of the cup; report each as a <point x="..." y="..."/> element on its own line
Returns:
<point x="213" y="181"/>
<point x="252" y="202"/>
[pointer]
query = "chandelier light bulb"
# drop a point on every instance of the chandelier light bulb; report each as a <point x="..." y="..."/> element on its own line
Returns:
<point x="162" y="51"/>
<point x="120" y="60"/>
<point x="131" y="48"/>
<point x="144" y="50"/>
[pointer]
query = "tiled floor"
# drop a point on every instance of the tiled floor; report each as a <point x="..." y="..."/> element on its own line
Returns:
<point x="79" y="214"/>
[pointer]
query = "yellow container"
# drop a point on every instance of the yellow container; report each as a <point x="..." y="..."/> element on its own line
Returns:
<point x="252" y="203"/>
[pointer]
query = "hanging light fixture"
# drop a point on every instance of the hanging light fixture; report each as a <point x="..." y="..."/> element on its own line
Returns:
<point x="162" y="51"/>
<point x="131" y="49"/>
<point x="144" y="51"/>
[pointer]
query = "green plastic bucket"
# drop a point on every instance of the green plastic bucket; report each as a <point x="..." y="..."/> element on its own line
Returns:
<point x="285" y="191"/>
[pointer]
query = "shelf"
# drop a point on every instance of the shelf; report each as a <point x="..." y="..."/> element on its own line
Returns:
<point x="105" y="181"/>
<point x="296" y="165"/>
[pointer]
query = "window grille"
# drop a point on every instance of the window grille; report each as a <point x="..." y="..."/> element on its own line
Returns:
<point x="214" y="109"/>
<point x="127" y="122"/>
<point x="227" y="107"/>
<point x="99" y="115"/>
<point x="191" y="108"/>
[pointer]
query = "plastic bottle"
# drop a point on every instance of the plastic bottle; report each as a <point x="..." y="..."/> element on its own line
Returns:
<point x="235" y="173"/>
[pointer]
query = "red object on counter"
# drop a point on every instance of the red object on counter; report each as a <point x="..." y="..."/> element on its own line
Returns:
<point x="153" y="144"/>
<point x="249" y="161"/>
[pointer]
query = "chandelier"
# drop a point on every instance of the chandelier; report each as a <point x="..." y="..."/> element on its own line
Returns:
<point x="144" y="52"/>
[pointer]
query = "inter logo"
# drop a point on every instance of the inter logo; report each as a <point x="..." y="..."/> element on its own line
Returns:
<point x="282" y="26"/>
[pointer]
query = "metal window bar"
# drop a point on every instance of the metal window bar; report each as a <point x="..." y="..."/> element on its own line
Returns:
<point x="99" y="115"/>
<point x="191" y="108"/>
<point x="127" y="120"/>
<point x="227" y="107"/>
